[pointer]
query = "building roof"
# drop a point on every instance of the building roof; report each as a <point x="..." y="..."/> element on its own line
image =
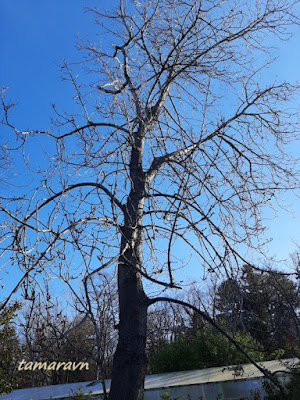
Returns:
<point x="184" y="378"/>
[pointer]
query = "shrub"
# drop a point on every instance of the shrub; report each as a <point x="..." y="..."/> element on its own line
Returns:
<point x="207" y="348"/>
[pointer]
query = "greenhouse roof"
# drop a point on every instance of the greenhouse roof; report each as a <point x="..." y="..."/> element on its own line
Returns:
<point x="184" y="378"/>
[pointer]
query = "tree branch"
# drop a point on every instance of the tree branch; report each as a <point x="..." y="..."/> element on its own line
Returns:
<point x="264" y="371"/>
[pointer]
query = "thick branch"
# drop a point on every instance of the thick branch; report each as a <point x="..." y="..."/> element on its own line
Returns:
<point x="75" y="186"/>
<point x="264" y="371"/>
<point x="158" y="162"/>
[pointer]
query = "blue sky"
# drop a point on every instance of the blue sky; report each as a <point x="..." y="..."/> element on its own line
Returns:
<point x="35" y="37"/>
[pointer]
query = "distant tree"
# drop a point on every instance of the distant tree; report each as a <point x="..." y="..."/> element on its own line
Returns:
<point x="160" y="327"/>
<point x="9" y="348"/>
<point x="266" y="304"/>
<point x="166" y="322"/>
<point x="49" y="334"/>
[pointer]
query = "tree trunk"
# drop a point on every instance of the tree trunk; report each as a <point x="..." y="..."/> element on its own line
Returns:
<point x="129" y="367"/>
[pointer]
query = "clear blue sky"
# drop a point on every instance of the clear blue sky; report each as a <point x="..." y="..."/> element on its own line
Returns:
<point x="36" y="35"/>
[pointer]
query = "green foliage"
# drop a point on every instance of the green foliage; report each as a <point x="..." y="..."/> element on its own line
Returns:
<point x="277" y="354"/>
<point x="207" y="348"/>
<point x="80" y="395"/>
<point x="166" y="395"/>
<point x="9" y="347"/>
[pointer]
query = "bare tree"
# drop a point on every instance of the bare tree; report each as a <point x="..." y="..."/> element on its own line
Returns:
<point x="49" y="332"/>
<point x="173" y="141"/>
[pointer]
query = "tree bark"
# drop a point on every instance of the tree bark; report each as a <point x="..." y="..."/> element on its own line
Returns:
<point x="129" y="367"/>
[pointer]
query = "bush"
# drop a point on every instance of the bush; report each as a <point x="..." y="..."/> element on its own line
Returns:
<point x="166" y="395"/>
<point x="80" y="395"/>
<point x="207" y="348"/>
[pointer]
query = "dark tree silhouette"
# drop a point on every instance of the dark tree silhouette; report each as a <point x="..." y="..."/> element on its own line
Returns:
<point x="266" y="304"/>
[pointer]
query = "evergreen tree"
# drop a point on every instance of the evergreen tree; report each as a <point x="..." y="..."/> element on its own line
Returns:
<point x="264" y="304"/>
<point x="9" y="348"/>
